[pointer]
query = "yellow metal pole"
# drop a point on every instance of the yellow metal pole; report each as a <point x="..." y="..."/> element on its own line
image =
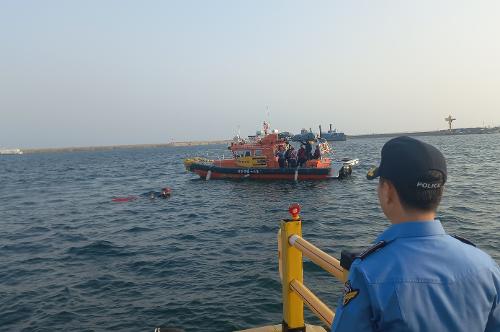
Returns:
<point x="293" y="306"/>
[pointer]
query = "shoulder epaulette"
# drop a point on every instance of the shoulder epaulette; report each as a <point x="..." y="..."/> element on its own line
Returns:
<point x="348" y="257"/>
<point x="372" y="249"/>
<point x="459" y="238"/>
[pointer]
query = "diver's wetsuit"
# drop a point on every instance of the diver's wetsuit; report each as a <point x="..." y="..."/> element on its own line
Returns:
<point x="153" y="195"/>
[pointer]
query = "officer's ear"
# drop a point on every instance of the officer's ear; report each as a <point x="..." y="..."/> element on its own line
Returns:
<point x="386" y="192"/>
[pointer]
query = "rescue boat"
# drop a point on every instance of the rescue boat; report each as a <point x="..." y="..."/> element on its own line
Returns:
<point x="255" y="159"/>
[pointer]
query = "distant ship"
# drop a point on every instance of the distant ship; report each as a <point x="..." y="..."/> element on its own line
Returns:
<point x="11" y="151"/>
<point x="332" y="135"/>
<point x="308" y="135"/>
<point x="304" y="136"/>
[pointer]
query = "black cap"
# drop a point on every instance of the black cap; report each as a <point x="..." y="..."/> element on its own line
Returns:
<point x="406" y="161"/>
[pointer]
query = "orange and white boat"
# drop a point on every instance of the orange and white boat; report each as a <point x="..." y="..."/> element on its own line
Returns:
<point x="256" y="159"/>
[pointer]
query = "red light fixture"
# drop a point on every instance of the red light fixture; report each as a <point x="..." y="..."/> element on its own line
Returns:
<point x="294" y="210"/>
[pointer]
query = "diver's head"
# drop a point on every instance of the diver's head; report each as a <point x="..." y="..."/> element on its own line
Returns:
<point x="165" y="192"/>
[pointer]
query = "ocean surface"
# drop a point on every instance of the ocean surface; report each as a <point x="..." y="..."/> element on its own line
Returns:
<point x="205" y="259"/>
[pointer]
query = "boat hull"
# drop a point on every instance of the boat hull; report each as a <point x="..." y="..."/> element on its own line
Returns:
<point x="206" y="171"/>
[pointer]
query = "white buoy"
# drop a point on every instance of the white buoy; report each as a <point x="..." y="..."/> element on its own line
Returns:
<point x="209" y="174"/>
<point x="296" y="174"/>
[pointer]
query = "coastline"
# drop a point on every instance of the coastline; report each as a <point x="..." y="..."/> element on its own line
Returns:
<point x="444" y="132"/>
<point x="457" y="131"/>
<point x="125" y="146"/>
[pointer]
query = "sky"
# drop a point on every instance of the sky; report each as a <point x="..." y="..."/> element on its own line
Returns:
<point x="106" y="72"/>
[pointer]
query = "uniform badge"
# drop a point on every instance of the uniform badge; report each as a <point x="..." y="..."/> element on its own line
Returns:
<point x="349" y="293"/>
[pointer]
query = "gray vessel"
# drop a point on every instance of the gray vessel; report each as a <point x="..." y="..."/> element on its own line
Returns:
<point x="332" y="135"/>
<point x="304" y="136"/>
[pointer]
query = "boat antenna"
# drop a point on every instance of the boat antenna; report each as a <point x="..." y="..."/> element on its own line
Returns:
<point x="268" y="114"/>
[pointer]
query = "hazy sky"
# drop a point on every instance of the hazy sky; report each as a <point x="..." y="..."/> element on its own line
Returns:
<point x="77" y="73"/>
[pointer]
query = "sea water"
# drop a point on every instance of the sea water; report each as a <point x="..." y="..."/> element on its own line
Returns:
<point x="206" y="258"/>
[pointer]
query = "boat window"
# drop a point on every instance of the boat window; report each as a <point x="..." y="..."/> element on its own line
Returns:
<point x="240" y="154"/>
<point x="258" y="153"/>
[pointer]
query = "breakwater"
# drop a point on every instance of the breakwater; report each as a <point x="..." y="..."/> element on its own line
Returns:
<point x="457" y="131"/>
<point x="127" y="146"/>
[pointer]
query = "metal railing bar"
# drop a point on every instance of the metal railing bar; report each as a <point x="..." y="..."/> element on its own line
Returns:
<point x="313" y="302"/>
<point x="318" y="256"/>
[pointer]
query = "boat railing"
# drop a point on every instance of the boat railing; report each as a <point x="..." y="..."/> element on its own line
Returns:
<point x="291" y="248"/>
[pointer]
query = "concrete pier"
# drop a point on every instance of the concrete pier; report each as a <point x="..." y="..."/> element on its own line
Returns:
<point x="277" y="328"/>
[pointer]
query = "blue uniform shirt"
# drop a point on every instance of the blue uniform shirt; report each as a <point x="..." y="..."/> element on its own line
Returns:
<point x="422" y="280"/>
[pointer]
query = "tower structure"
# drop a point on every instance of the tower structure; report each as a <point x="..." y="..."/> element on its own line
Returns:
<point x="449" y="119"/>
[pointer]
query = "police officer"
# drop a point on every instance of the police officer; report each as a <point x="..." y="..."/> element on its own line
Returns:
<point x="416" y="277"/>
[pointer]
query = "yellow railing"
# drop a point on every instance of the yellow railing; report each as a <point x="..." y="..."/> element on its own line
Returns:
<point x="291" y="247"/>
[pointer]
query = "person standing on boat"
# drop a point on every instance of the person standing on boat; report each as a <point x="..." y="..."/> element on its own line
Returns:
<point x="301" y="155"/>
<point x="281" y="156"/>
<point x="317" y="153"/>
<point x="287" y="155"/>
<point x="416" y="277"/>
<point x="308" y="150"/>
<point x="292" y="159"/>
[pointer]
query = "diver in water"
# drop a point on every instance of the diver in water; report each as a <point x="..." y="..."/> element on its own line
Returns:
<point x="165" y="193"/>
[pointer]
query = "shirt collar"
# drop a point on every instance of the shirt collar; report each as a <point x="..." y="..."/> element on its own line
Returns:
<point x="412" y="229"/>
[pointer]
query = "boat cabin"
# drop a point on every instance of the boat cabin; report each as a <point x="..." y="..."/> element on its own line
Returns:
<point x="259" y="152"/>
